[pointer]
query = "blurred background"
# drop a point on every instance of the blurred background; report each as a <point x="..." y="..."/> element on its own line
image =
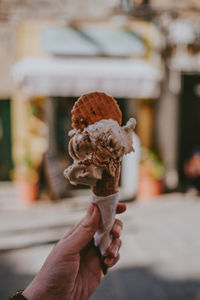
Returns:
<point x="146" y="54"/>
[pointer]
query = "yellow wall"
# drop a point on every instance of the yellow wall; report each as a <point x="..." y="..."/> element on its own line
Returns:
<point x="145" y="122"/>
<point x="28" y="38"/>
<point x="28" y="43"/>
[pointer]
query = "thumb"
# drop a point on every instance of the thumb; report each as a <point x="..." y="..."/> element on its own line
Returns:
<point x="84" y="231"/>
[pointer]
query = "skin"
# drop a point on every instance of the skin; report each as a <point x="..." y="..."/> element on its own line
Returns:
<point x="73" y="269"/>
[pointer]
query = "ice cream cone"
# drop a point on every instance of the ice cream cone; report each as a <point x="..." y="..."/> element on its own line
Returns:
<point x="97" y="145"/>
<point x="87" y="110"/>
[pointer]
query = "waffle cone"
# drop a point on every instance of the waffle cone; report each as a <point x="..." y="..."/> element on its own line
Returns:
<point x="108" y="185"/>
<point x="93" y="107"/>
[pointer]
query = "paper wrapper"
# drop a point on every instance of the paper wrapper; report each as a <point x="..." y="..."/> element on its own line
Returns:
<point x="107" y="207"/>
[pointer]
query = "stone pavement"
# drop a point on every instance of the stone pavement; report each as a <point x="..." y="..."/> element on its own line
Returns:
<point x="160" y="256"/>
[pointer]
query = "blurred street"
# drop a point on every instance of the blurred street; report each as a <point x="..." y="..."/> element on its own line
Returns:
<point x="146" y="55"/>
<point x="159" y="256"/>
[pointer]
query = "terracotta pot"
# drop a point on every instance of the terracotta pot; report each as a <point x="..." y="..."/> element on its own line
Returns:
<point x="148" y="187"/>
<point x="27" y="191"/>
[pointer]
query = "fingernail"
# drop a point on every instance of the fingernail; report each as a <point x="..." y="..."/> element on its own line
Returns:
<point x="118" y="229"/>
<point x="115" y="251"/>
<point x="90" y="209"/>
<point x="109" y="261"/>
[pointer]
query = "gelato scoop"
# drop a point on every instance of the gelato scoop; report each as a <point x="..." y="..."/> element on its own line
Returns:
<point x="97" y="148"/>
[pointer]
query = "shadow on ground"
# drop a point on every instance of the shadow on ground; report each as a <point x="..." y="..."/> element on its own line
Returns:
<point x="122" y="284"/>
<point x="142" y="284"/>
<point x="10" y="280"/>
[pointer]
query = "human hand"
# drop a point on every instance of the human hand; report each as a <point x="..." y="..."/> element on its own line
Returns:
<point x="73" y="269"/>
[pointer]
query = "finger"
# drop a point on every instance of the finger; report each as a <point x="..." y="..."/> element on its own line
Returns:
<point x="71" y="230"/>
<point x="77" y="225"/>
<point x="113" y="249"/>
<point x="82" y="234"/>
<point x="121" y="207"/>
<point x="117" y="228"/>
<point x="111" y="261"/>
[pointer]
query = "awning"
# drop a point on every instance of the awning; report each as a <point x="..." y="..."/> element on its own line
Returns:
<point x="53" y="76"/>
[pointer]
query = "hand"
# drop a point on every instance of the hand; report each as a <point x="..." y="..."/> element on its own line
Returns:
<point x="73" y="269"/>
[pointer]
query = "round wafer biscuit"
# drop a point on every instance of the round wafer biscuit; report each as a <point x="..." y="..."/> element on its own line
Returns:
<point x="93" y="107"/>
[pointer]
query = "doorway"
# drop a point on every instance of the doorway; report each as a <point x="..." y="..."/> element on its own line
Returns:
<point x="5" y="140"/>
<point x="189" y="119"/>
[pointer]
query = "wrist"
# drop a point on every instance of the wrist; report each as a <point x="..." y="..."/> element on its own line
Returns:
<point x="18" y="296"/>
<point x="32" y="293"/>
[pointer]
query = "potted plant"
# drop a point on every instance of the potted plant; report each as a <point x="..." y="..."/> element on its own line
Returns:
<point x="151" y="172"/>
<point x="26" y="177"/>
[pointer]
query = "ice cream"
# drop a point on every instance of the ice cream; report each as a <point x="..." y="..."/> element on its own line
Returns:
<point x="97" y="148"/>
